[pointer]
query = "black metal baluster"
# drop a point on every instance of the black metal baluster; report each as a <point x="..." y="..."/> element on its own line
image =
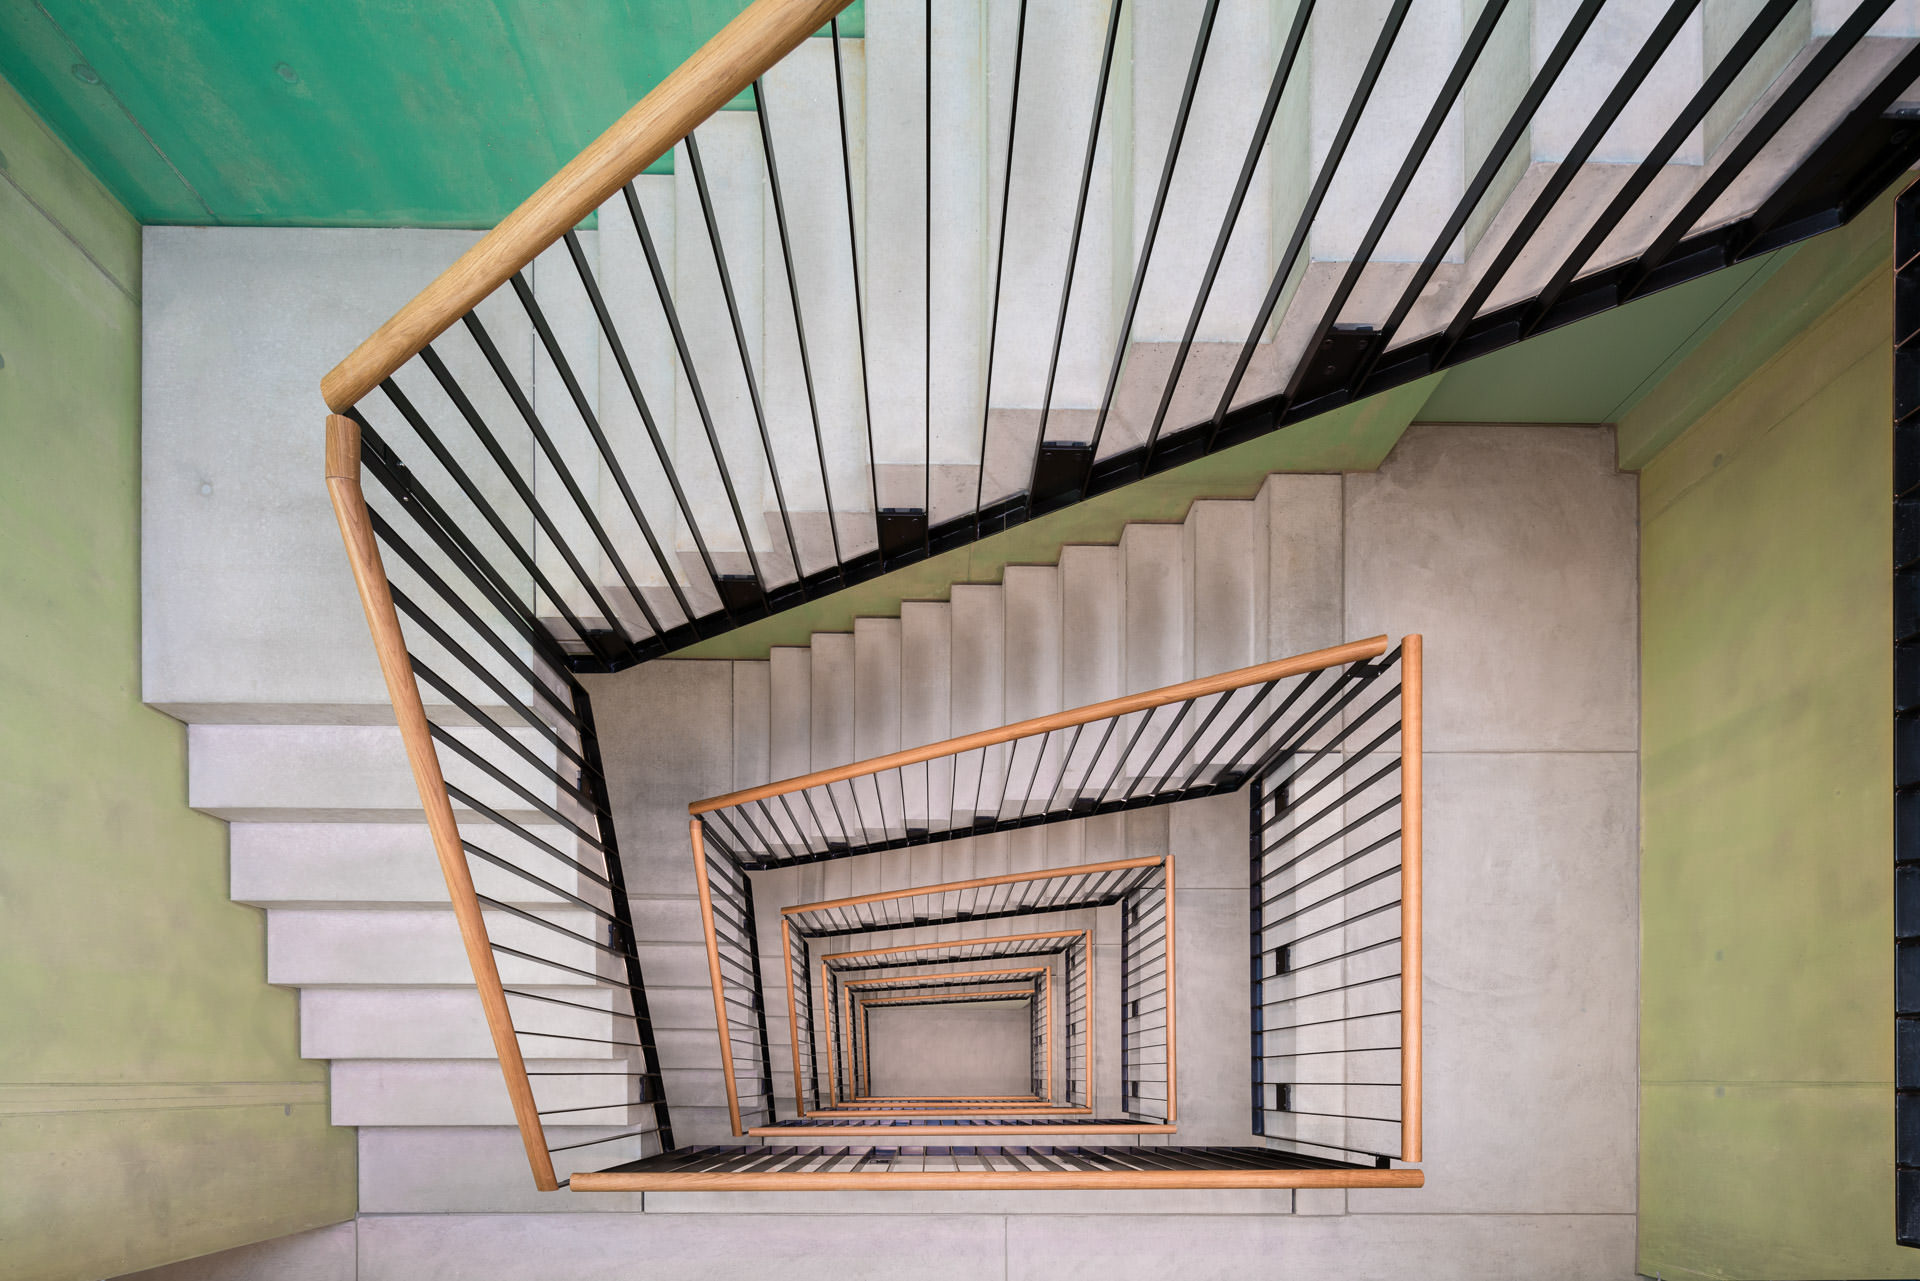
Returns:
<point x="1490" y="166"/>
<point x="1369" y="77"/>
<point x="799" y="323"/>
<point x="1308" y="382"/>
<point x="632" y="381"/>
<point x="1823" y="62"/>
<point x="853" y="259"/>
<point x="518" y="396"/>
<point x="672" y="314"/>
<point x="740" y="341"/>
<point x="1180" y="117"/>
<point x="1037" y="499"/>
<point x="562" y="366"/>
<point x="1256" y="145"/>
<point x="1565" y="172"/>
<point x="999" y="267"/>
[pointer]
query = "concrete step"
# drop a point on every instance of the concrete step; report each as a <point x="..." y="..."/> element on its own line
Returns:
<point x="473" y="1092"/>
<point x="448" y="1023"/>
<point x="313" y="865"/>
<point x="411" y="948"/>
<point x="353" y="773"/>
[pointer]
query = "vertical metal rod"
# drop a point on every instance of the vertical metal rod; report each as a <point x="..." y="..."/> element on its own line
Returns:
<point x="999" y="269"/>
<point x="740" y="341"/>
<point x="562" y="366"/>
<point x="1073" y="242"/>
<point x="1256" y="951"/>
<point x="1778" y="112"/>
<point x="538" y="431"/>
<point x="759" y="996"/>
<point x="1180" y="117"/>
<point x="1566" y="171"/>
<point x="627" y="939"/>
<point x="1263" y="125"/>
<point x="619" y="349"/>
<point x="1651" y="165"/>
<point x="853" y="258"/>
<point x="1369" y="77"/>
<point x="672" y="314"/>
<point x="1490" y="166"/>
<point x="1456" y="81"/>
<point x="459" y="550"/>
<point x="491" y="444"/>
<point x="799" y="323"/>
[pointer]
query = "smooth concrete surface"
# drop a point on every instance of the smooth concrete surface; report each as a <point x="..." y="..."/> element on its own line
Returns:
<point x="247" y="601"/>
<point x="1512" y="549"/>
<point x="1531" y="896"/>
<point x="323" y="1254"/>
<point x="980" y="1243"/>
<point x="977" y="1049"/>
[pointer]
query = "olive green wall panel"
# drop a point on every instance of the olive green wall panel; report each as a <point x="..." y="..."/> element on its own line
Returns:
<point x="1766" y="1137"/>
<point x="153" y="1104"/>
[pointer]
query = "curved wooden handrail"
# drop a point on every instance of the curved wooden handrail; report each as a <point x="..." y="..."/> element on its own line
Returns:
<point x="830" y="957"/>
<point x="725" y="65"/>
<point x="376" y="598"/>
<point x="1260" y="673"/>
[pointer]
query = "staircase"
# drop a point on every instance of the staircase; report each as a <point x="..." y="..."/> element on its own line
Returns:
<point x="897" y="298"/>
<point x="326" y="834"/>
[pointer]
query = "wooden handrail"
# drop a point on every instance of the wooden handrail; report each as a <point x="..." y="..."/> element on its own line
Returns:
<point x="922" y="980"/>
<point x="786" y="941"/>
<point x="1278" y="669"/>
<point x="978" y="882"/>
<point x="924" y="947"/>
<point x="376" y="598"/>
<point x="765" y="32"/>
<point x="713" y="974"/>
<point x="851" y="984"/>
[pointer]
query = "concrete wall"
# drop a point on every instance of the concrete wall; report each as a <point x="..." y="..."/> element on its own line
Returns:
<point x="1766" y="1142"/>
<point x="950" y="1049"/>
<point x="153" y="1105"/>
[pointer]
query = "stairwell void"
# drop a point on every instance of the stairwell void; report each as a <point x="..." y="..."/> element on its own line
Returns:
<point x="511" y="542"/>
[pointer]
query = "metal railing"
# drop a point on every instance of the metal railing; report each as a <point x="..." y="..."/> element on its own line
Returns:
<point x="1197" y="738"/>
<point x="850" y="1033"/>
<point x="1073" y="947"/>
<point x="509" y="773"/>
<point x="1906" y="714"/>
<point x="786" y="478"/>
<point x="976" y="1167"/>
<point x="1334" y="902"/>
<point x="1139" y="886"/>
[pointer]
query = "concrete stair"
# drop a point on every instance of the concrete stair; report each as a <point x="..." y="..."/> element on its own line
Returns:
<point x="928" y="394"/>
<point x="326" y="826"/>
<point x="327" y="837"/>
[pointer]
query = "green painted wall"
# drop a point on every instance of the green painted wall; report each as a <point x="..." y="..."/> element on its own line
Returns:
<point x="1766" y="1051"/>
<point x="153" y="1104"/>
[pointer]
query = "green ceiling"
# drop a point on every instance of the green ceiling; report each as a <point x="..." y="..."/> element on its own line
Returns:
<point x="342" y="112"/>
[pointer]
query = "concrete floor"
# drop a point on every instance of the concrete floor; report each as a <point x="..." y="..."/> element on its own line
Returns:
<point x="952" y="1049"/>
